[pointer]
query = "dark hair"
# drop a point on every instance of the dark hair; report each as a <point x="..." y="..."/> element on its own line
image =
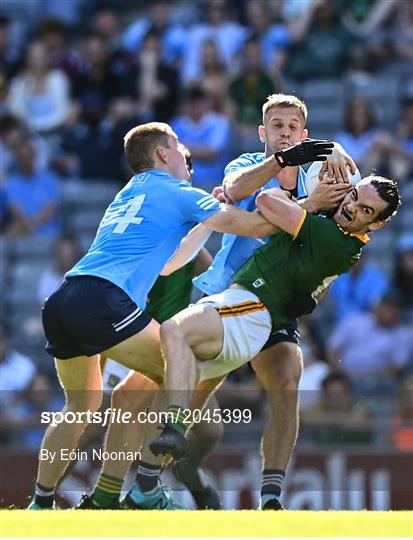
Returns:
<point x="9" y="122"/>
<point x="336" y="376"/>
<point x="389" y="192"/>
<point x="51" y="25"/>
<point x="195" y="93"/>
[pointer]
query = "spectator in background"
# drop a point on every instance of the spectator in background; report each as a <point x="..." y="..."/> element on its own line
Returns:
<point x="402" y="39"/>
<point x="338" y="418"/>
<point x="22" y="418"/>
<point x="228" y="35"/>
<point x="214" y="78"/>
<point x="107" y="24"/>
<point x="206" y="134"/>
<point x="403" y="273"/>
<point x="321" y="43"/>
<point x="39" y="95"/>
<point x="397" y="152"/>
<point x="66" y="252"/>
<point x="17" y="370"/>
<point x="364" y="18"/>
<point x="93" y="148"/>
<point x="8" y="56"/>
<point x="314" y="370"/>
<point x="360" y="290"/>
<point x="53" y="33"/>
<point x="361" y="136"/>
<point x="248" y="92"/>
<point x="173" y="36"/>
<point x="99" y="83"/>
<point x="33" y="196"/>
<point x="14" y="133"/>
<point x="156" y="83"/>
<point x="274" y="37"/>
<point x="373" y="348"/>
<point x="402" y="423"/>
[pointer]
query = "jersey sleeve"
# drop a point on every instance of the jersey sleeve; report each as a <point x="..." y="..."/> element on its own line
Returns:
<point x="196" y="204"/>
<point x="245" y="160"/>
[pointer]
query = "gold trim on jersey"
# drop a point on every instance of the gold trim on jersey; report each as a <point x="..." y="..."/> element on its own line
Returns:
<point x="300" y="224"/>
<point x="363" y="237"/>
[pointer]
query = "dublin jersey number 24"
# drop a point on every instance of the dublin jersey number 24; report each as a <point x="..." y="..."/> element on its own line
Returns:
<point x="125" y="215"/>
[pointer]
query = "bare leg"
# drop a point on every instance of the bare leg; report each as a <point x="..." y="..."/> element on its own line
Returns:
<point x="141" y="353"/>
<point x="81" y="380"/>
<point x="279" y="369"/>
<point x="134" y="394"/>
<point x="195" y="332"/>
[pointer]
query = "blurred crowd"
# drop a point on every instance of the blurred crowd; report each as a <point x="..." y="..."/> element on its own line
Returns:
<point x="76" y="75"/>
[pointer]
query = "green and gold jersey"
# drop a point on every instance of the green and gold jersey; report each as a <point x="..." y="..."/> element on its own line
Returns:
<point x="303" y="264"/>
<point x="171" y="294"/>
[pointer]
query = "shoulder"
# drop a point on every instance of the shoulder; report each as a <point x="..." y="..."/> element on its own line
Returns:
<point x="245" y="160"/>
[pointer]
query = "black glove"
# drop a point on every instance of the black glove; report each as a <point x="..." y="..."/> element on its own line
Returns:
<point x="304" y="152"/>
<point x="300" y="305"/>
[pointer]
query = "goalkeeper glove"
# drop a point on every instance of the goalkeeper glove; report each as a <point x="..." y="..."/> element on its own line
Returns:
<point x="304" y="152"/>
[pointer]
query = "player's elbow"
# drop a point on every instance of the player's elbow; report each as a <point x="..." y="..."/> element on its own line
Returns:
<point x="167" y="270"/>
<point x="268" y="206"/>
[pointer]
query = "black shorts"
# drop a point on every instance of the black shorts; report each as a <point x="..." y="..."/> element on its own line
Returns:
<point x="287" y="333"/>
<point x="87" y="315"/>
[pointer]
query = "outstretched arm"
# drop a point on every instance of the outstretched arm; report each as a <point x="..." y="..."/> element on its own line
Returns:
<point x="234" y="220"/>
<point x="246" y="181"/>
<point x="188" y="249"/>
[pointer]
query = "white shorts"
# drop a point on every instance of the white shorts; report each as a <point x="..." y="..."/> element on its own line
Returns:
<point x="113" y="373"/>
<point x="247" y="327"/>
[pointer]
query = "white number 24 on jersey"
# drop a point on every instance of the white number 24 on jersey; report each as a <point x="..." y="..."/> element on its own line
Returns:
<point x="124" y="215"/>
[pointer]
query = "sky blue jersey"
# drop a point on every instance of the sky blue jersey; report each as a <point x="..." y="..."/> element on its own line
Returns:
<point x="141" y="230"/>
<point x="236" y="250"/>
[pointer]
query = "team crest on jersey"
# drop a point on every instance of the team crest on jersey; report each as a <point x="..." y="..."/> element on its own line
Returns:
<point x="258" y="283"/>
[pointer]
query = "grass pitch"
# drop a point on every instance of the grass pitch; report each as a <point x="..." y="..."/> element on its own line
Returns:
<point x="246" y="523"/>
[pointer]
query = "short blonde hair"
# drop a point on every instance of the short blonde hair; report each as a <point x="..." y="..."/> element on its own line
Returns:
<point x="141" y="141"/>
<point x="284" y="101"/>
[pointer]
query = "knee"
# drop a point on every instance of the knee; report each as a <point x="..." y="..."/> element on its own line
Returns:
<point x="171" y="330"/>
<point x="134" y="399"/>
<point x="274" y="378"/>
<point x="84" y="401"/>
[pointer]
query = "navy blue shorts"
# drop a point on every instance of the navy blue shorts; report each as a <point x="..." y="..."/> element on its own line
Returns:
<point x="87" y="315"/>
<point x="287" y="333"/>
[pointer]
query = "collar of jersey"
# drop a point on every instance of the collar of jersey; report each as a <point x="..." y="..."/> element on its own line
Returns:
<point x="363" y="237"/>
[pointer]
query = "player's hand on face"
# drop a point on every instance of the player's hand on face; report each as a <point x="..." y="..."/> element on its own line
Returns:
<point x="337" y="165"/>
<point x="327" y="195"/>
<point x="219" y="194"/>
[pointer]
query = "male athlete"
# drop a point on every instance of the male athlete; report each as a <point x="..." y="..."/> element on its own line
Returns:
<point x="280" y="281"/>
<point x="98" y="308"/>
<point x="279" y="367"/>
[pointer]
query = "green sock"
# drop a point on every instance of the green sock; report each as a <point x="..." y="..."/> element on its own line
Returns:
<point x="107" y="490"/>
<point x="176" y="419"/>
